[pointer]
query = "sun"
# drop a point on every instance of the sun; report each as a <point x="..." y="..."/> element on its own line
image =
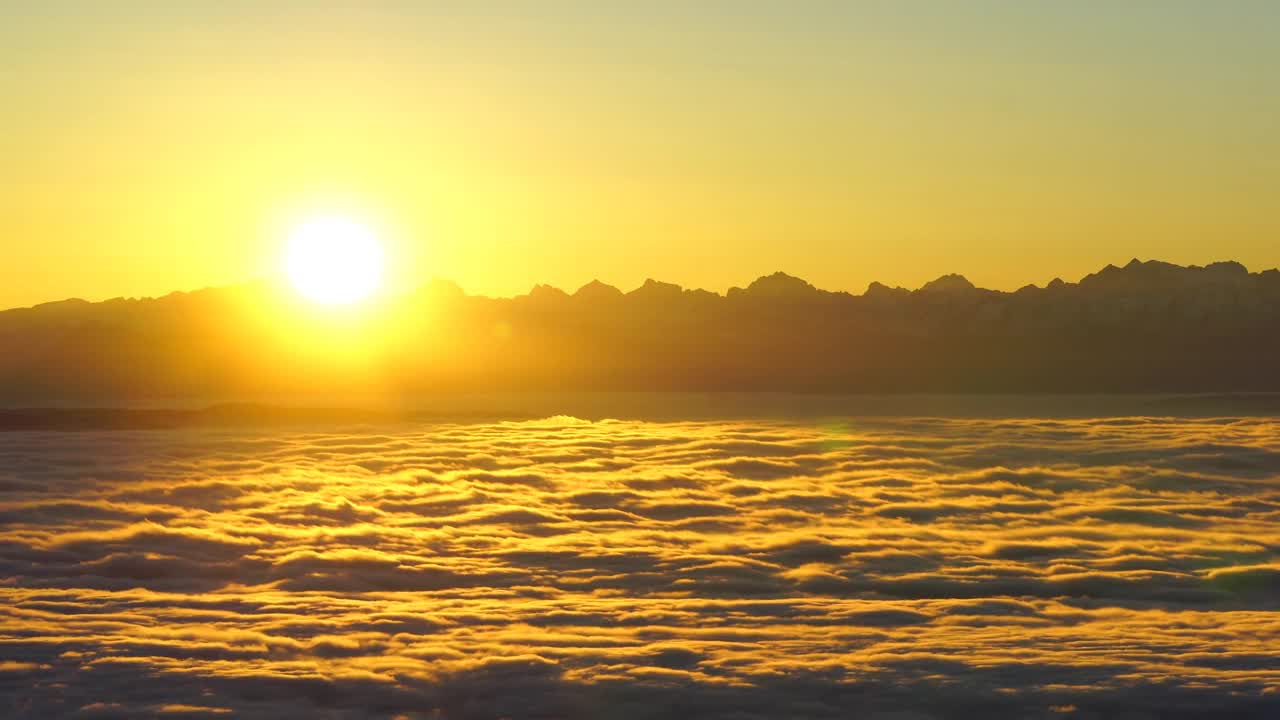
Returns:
<point x="333" y="260"/>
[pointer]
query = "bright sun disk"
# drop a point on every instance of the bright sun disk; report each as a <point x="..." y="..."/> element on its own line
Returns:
<point x="333" y="260"/>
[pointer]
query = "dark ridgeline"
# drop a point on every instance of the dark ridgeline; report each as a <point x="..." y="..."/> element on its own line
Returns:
<point x="1144" y="327"/>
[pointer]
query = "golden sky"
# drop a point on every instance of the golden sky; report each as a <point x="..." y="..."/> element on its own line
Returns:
<point x="151" y="147"/>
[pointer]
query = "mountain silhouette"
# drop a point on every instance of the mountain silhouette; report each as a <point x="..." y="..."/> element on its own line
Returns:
<point x="948" y="283"/>
<point x="1142" y="327"/>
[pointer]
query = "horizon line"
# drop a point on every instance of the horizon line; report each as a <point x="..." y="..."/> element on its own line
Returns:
<point x="276" y="280"/>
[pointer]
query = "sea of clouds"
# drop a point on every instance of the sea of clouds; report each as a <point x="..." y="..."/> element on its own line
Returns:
<point x="909" y="568"/>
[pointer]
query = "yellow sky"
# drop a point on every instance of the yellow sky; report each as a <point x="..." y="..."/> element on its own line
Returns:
<point x="153" y="147"/>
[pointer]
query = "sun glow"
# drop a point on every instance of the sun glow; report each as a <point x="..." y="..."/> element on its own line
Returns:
<point x="333" y="260"/>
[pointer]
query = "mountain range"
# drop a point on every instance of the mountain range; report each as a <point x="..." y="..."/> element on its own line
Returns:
<point x="1142" y="327"/>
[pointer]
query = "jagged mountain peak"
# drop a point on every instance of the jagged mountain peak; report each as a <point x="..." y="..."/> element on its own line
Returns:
<point x="878" y="289"/>
<point x="596" y="290"/>
<point x="780" y="284"/>
<point x="656" y="289"/>
<point x="547" y="292"/>
<point x="951" y="282"/>
<point x="1138" y="275"/>
<point x="1227" y="267"/>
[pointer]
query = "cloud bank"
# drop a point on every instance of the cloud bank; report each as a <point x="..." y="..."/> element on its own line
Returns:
<point x="917" y="568"/>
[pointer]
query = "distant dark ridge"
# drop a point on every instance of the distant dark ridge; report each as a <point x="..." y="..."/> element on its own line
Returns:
<point x="158" y="419"/>
<point x="1146" y="327"/>
<point x="643" y="406"/>
<point x="1136" y="275"/>
<point x="226" y="415"/>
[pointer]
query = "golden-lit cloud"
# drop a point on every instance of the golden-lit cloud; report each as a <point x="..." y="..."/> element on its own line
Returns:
<point x="558" y="567"/>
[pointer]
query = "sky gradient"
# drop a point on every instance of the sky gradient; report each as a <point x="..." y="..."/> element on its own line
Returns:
<point x="154" y="146"/>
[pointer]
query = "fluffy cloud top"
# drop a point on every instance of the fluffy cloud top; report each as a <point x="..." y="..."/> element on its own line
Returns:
<point x="878" y="568"/>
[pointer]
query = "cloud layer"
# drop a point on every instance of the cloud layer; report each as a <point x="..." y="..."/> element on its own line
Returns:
<point x="560" y="568"/>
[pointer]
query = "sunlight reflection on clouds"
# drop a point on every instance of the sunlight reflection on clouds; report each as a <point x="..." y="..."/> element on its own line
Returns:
<point x="553" y="568"/>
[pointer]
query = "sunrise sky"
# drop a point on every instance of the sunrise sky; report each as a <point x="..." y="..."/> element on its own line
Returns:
<point x="156" y="146"/>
